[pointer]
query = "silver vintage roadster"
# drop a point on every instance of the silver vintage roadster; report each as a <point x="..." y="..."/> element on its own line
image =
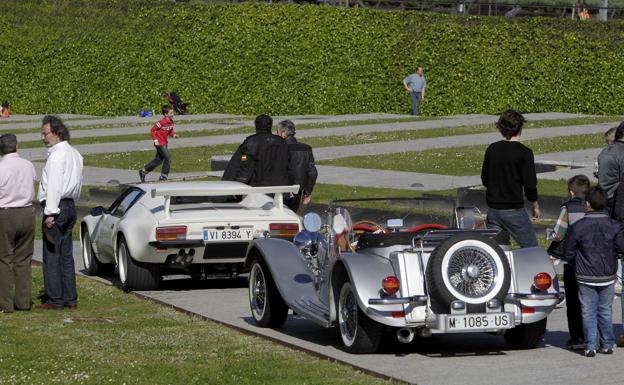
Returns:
<point x="415" y="265"/>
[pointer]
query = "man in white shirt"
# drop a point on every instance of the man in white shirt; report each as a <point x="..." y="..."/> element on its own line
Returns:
<point x="61" y="181"/>
<point x="17" y="226"/>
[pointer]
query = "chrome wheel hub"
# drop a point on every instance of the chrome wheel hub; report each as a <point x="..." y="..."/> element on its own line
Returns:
<point x="472" y="272"/>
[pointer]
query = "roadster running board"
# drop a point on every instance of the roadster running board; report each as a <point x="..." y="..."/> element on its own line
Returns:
<point x="312" y="310"/>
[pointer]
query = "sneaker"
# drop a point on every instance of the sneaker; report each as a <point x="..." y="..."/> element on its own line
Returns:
<point x="605" y="351"/>
<point x="142" y="175"/>
<point x="589" y="353"/>
<point x="162" y="178"/>
<point x="577" y="344"/>
<point x="620" y="341"/>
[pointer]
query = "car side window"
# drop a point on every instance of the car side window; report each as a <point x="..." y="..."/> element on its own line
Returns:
<point x="126" y="202"/>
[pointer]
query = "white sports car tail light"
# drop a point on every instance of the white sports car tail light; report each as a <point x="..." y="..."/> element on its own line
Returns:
<point x="171" y="233"/>
<point x="284" y="229"/>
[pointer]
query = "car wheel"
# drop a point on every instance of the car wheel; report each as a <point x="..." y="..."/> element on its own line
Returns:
<point x="359" y="333"/>
<point x="526" y="336"/>
<point x="135" y="275"/>
<point x="470" y="268"/>
<point x="267" y="306"/>
<point x="92" y="265"/>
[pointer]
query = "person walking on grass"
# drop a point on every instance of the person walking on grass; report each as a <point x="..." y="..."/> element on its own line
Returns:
<point x="61" y="182"/>
<point x="161" y="131"/>
<point x="592" y="245"/>
<point x="508" y="171"/>
<point x="17" y="226"/>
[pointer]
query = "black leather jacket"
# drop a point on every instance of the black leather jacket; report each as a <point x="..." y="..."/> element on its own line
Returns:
<point x="301" y="168"/>
<point x="262" y="160"/>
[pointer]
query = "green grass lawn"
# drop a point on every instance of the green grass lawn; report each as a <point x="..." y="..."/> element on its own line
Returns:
<point x="183" y="159"/>
<point x="460" y="161"/>
<point x="118" y="338"/>
<point x="198" y="158"/>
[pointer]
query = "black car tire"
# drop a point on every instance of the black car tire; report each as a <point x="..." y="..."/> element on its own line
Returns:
<point x="359" y="334"/>
<point x="267" y="306"/>
<point x="92" y="265"/>
<point x="135" y="275"/>
<point x="526" y="336"/>
<point x="462" y="266"/>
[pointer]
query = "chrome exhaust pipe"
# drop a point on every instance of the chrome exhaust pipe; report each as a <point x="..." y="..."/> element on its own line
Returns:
<point x="405" y="335"/>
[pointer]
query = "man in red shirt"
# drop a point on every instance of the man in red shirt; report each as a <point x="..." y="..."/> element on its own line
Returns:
<point x="161" y="131"/>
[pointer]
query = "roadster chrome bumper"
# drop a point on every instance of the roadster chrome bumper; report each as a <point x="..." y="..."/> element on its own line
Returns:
<point x="515" y="297"/>
<point x="417" y="299"/>
<point x="422" y="299"/>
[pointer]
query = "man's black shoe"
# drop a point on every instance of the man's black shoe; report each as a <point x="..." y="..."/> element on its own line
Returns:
<point x="142" y="175"/>
<point x="605" y="351"/>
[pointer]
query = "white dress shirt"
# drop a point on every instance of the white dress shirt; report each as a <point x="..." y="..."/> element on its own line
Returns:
<point x="61" y="177"/>
<point x="16" y="181"/>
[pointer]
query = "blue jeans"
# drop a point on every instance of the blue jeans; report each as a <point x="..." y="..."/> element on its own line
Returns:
<point x="416" y="96"/>
<point x="516" y="222"/>
<point x="596" y="305"/>
<point x="59" y="276"/>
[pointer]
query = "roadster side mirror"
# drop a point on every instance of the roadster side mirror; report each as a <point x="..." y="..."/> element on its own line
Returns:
<point x="97" y="211"/>
<point x="312" y="222"/>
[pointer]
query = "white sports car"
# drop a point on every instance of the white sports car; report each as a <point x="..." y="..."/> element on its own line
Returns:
<point x="197" y="228"/>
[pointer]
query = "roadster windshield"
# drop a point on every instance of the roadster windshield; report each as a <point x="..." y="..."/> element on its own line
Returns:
<point x="398" y="213"/>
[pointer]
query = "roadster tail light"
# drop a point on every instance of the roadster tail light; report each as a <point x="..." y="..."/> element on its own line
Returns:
<point x="171" y="233"/>
<point x="284" y="229"/>
<point x="390" y="284"/>
<point x="542" y="281"/>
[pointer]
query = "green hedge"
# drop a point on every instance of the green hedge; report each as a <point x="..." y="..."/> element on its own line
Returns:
<point x="113" y="57"/>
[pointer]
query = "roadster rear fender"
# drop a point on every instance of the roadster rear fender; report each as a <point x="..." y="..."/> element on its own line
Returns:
<point x="366" y="271"/>
<point x="526" y="263"/>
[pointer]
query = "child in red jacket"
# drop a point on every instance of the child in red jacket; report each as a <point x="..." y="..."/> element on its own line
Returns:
<point x="161" y="131"/>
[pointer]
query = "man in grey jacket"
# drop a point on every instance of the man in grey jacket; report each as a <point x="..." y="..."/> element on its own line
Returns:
<point x="611" y="165"/>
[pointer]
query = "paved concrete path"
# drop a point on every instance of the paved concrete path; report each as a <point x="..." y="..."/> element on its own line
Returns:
<point x="336" y="152"/>
<point x="236" y="138"/>
<point x="365" y="177"/>
<point x="470" y="359"/>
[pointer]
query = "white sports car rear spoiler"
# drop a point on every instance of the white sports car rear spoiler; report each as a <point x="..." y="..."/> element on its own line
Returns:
<point x="212" y="190"/>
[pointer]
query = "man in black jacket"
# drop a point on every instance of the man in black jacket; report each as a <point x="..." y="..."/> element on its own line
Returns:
<point x="262" y="159"/>
<point x="301" y="168"/>
<point x="508" y="172"/>
<point x="592" y="244"/>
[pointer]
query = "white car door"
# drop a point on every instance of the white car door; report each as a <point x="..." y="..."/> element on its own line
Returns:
<point x="110" y="220"/>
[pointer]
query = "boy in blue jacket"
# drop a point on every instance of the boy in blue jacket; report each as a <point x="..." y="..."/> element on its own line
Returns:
<point x="592" y="244"/>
